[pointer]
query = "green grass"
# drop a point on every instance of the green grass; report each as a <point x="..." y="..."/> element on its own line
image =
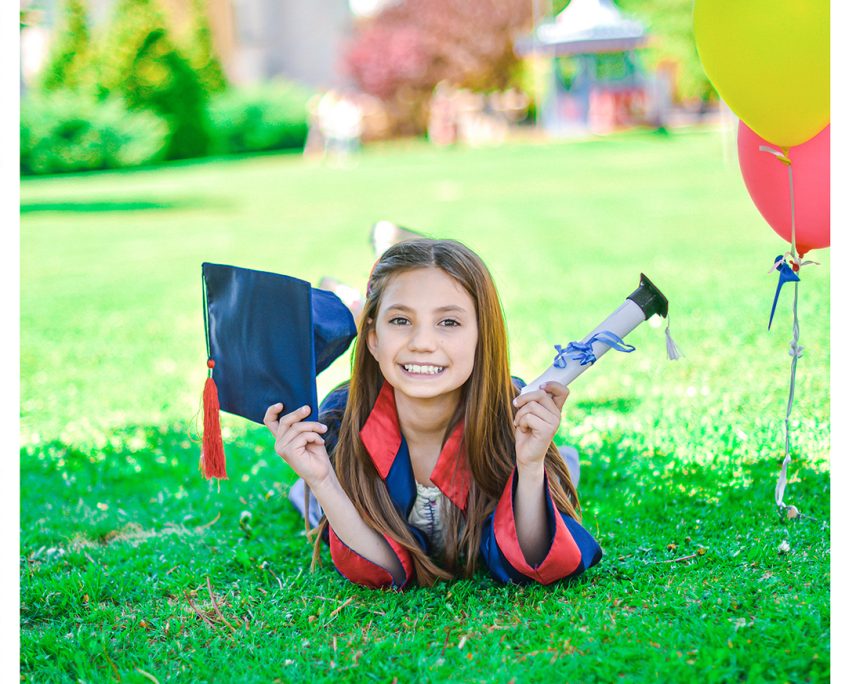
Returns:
<point x="118" y="529"/>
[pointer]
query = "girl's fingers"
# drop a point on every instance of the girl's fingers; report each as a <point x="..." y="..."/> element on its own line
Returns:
<point x="299" y="454"/>
<point x="285" y="437"/>
<point x="301" y="440"/>
<point x="271" y="416"/>
<point x="547" y="413"/>
<point x="548" y="402"/>
<point x="538" y="396"/>
<point x="547" y="423"/>
<point x="532" y="423"/>
<point x="557" y="392"/>
<point x="522" y="399"/>
<point x="308" y="426"/>
<point x="550" y="393"/>
<point x="294" y="416"/>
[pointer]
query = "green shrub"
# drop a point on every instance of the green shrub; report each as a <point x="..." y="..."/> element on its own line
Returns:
<point x="268" y="117"/>
<point x="64" y="131"/>
<point x="139" y="61"/>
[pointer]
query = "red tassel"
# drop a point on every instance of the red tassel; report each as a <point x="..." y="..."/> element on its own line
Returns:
<point x="213" y="458"/>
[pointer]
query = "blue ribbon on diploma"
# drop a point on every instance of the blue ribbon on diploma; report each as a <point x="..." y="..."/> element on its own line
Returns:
<point x="583" y="351"/>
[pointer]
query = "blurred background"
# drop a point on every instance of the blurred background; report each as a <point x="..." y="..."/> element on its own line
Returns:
<point x="123" y="83"/>
<point x="581" y="137"/>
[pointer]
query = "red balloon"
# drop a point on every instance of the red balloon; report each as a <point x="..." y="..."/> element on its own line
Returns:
<point x="767" y="180"/>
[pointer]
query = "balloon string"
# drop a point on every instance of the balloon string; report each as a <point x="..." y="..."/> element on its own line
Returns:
<point x="795" y="351"/>
<point x="792" y="208"/>
<point x="799" y="261"/>
<point x="782" y="155"/>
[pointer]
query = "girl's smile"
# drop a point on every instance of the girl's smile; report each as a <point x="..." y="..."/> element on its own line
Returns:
<point x="425" y="334"/>
<point x="414" y="369"/>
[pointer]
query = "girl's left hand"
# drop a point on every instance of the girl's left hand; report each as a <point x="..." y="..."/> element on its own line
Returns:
<point x="536" y="421"/>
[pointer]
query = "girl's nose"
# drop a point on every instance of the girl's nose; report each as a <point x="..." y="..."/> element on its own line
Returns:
<point x="423" y="340"/>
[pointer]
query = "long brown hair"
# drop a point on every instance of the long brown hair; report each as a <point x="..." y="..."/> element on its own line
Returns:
<point x="486" y="399"/>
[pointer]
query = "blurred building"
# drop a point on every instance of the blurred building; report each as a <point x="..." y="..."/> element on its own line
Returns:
<point x="256" y="40"/>
<point x="595" y="79"/>
<point x="298" y="39"/>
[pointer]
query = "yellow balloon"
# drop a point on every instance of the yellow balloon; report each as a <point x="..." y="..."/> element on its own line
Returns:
<point x="770" y="62"/>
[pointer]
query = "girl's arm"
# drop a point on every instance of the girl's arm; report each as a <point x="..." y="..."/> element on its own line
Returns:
<point x="570" y="548"/>
<point x="302" y="446"/>
<point x="351" y="529"/>
<point x="536" y="421"/>
<point x="527" y="539"/>
<point x="532" y="521"/>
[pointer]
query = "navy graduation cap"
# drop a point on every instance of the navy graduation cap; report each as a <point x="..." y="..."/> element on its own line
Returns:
<point x="267" y="337"/>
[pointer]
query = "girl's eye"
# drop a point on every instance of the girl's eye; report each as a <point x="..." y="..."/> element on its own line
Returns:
<point x="399" y="320"/>
<point x="451" y="323"/>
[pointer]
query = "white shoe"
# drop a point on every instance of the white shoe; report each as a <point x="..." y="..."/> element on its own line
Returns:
<point x="385" y="234"/>
<point x="573" y="462"/>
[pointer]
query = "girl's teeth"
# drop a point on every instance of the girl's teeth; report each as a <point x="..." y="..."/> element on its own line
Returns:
<point x="427" y="370"/>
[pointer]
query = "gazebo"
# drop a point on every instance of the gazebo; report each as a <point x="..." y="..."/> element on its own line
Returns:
<point x="596" y="81"/>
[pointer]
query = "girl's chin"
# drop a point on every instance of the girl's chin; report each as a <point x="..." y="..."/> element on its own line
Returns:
<point x="423" y="389"/>
<point x="423" y="392"/>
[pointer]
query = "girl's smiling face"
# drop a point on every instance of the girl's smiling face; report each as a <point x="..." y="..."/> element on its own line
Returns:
<point x="425" y="333"/>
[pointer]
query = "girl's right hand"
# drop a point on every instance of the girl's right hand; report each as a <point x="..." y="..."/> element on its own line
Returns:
<point x="300" y="443"/>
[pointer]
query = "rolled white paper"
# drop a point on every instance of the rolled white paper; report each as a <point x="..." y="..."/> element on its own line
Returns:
<point x="621" y="322"/>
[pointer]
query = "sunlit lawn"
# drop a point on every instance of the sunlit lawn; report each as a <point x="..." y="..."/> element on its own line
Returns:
<point x="121" y="538"/>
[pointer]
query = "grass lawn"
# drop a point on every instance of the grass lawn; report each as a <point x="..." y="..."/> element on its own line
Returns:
<point x="134" y="569"/>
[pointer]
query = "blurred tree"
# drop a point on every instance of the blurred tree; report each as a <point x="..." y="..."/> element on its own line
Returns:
<point x="669" y="23"/>
<point x="403" y="52"/>
<point x="200" y="49"/>
<point x="139" y="60"/>
<point x="69" y="63"/>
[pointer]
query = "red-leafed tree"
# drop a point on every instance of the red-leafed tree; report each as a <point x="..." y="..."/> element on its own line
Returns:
<point x="403" y="52"/>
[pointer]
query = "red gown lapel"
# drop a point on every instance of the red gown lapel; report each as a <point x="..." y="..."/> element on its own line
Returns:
<point x="382" y="438"/>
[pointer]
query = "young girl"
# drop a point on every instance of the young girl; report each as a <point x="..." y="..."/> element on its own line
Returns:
<point x="429" y="458"/>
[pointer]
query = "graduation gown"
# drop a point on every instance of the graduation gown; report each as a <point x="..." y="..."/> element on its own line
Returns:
<point x="571" y="549"/>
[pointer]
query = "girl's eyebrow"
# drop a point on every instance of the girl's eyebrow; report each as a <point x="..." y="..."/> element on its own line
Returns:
<point x="440" y="309"/>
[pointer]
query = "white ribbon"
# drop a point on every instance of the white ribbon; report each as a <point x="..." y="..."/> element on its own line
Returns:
<point x="672" y="350"/>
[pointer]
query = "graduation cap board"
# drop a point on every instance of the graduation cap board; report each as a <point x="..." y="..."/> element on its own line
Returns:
<point x="268" y="336"/>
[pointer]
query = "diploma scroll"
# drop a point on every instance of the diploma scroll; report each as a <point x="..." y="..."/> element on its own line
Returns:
<point x="572" y="361"/>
